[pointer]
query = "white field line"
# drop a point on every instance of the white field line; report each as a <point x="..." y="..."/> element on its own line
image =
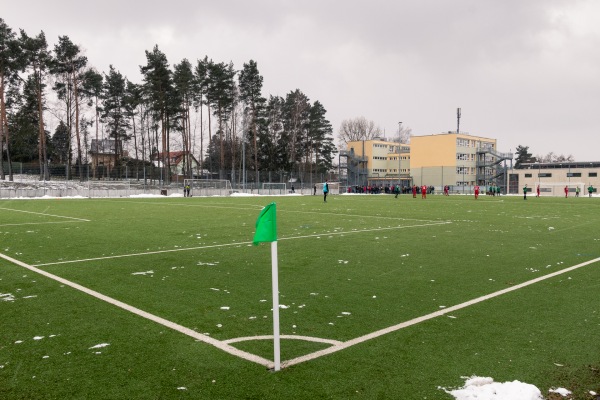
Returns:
<point x="223" y="345"/>
<point x="253" y="207"/>
<point x="336" y="345"/>
<point x="179" y="328"/>
<point x="385" y="217"/>
<point x="46" y="215"/>
<point x="239" y="243"/>
<point x="414" y="321"/>
<point x="41" y="223"/>
<point x="141" y="254"/>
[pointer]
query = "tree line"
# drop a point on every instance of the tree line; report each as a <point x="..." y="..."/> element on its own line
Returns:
<point x="523" y="156"/>
<point x="289" y="135"/>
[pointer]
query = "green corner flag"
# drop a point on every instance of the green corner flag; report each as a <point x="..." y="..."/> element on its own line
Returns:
<point x="266" y="225"/>
<point x="266" y="231"/>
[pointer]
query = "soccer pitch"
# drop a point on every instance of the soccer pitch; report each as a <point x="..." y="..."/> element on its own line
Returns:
<point x="379" y="297"/>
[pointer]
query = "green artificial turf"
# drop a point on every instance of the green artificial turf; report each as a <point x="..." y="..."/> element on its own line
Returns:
<point x="347" y="268"/>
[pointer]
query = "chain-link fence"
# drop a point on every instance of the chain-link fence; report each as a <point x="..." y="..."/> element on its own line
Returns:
<point x="30" y="181"/>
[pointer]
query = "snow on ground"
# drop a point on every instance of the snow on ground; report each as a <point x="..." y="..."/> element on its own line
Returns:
<point x="484" y="388"/>
<point x="32" y="182"/>
<point x="99" y="346"/>
<point x="475" y="388"/>
<point x="562" y="391"/>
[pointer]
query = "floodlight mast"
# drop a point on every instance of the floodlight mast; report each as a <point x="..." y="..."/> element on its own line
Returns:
<point x="458" y="120"/>
<point x="399" y="146"/>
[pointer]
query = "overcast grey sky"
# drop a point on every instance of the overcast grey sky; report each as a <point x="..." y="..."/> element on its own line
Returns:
<point x="526" y="72"/>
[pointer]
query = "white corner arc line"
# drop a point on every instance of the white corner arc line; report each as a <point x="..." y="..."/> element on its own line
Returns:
<point x="172" y="325"/>
<point x="292" y="337"/>
<point x="414" y="321"/>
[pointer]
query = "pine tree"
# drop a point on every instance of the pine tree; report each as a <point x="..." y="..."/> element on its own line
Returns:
<point x="201" y="98"/>
<point x="68" y="64"/>
<point x="9" y="50"/>
<point x="523" y="156"/>
<point x="321" y="140"/>
<point x="185" y="90"/>
<point x="158" y="86"/>
<point x="296" y="124"/>
<point x="250" y="83"/>
<point x="114" y="112"/>
<point x="133" y="99"/>
<point x="60" y="144"/>
<point x="23" y="121"/>
<point x="221" y="90"/>
<point x="272" y="146"/>
<point x="37" y="61"/>
<point x="92" y="86"/>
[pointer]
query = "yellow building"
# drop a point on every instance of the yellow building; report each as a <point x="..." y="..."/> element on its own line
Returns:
<point x="454" y="159"/>
<point x="377" y="162"/>
<point x="458" y="160"/>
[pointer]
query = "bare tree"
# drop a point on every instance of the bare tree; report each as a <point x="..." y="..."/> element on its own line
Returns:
<point x="403" y="135"/>
<point x="553" y="157"/>
<point x="356" y="129"/>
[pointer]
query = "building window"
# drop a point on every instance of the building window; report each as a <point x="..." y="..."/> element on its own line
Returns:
<point x="462" y="142"/>
<point x="545" y="175"/>
<point x="593" y="174"/>
<point x="528" y="175"/>
<point x="573" y="174"/>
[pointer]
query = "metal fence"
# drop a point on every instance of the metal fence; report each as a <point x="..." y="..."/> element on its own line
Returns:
<point x="22" y="188"/>
<point x="60" y="181"/>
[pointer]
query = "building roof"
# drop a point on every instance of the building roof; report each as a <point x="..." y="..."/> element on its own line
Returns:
<point x="176" y="157"/>
<point x="561" y="164"/>
<point x="102" y="146"/>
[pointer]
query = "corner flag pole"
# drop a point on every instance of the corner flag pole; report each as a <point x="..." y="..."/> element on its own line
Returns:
<point x="275" y="278"/>
<point x="266" y="231"/>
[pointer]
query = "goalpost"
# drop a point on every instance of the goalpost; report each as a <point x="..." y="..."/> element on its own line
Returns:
<point x="108" y="188"/>
<point x="274" y="188"/>
<point x="208" y="187"/>
<point x="558" y="188"/>
<point x="334" y="187"/>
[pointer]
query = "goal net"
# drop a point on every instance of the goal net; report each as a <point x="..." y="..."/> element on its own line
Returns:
<point x="334" y="187"/>
<point x="558" y="188"/>
<point x="274" y="188"/>
<point x="208" y="187"/>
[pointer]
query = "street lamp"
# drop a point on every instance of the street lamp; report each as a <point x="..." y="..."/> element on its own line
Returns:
<point x="244" y="164"/>
<point x="399" y="146"/>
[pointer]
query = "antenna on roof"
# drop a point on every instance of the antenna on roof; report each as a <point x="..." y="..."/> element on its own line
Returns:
<point x="458" y="120"/>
